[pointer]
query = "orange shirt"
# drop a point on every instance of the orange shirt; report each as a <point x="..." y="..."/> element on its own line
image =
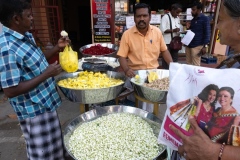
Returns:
<point x="142" y="51"/>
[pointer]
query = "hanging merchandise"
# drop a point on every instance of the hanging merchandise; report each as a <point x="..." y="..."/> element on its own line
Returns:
<point x="116" y="37"/>
<point x="117" y="6"/>
<point x="213" y="7"/>
<point x="209" y="7"/>
<point x="125" y="6"/>
<point x="122" y="6"/>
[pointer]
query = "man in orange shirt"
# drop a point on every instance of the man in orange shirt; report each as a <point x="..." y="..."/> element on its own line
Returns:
<point x="142" y="44"/>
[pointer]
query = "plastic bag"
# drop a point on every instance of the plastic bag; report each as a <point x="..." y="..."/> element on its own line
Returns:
<point x="190" y="87"/>
<point x="68" y="59"/>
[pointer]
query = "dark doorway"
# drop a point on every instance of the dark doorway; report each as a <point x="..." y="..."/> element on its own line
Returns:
<point x="84" y="17"/>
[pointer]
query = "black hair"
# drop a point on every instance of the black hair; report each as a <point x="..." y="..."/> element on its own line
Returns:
<point x="197" y="4"/>
<point x="9" y="8"/>
<point x="176" y="6"/>
<point x="233" y="7"/>
<point x="142" y="5"/>
<point x="204" y="94"/>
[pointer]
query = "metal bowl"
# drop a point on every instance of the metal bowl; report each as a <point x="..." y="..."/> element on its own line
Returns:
<point x="91" y="96"/>
<point x="153" y="95"/>
<point x="109" y="45"/>
<point x="154" y="122"/>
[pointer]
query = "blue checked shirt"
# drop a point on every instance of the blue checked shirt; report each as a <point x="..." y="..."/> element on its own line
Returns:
<point x="202" y="29"/>
<point x="22" y="60"/>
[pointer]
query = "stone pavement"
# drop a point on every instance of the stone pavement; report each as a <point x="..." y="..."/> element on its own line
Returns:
<point x="12" y="144"/>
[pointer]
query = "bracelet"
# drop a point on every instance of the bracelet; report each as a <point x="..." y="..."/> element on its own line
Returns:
<point x="221" y="151"/>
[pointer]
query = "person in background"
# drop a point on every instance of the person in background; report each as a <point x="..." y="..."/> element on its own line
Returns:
<point x="168" y="33"/>
<point x="142" y="44"/>
<point x="141" y="47"/>
<point x="28" y="81"/>
<point x="199" y="145"/>
<point x="200" y="25"/>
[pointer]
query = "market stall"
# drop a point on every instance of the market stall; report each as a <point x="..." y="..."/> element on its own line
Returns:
<point x="94" y="80"/>
<point x="133" y="131"/>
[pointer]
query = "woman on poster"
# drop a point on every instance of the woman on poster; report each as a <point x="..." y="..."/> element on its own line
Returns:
<point x="206" y="101"/>
<point x="201" y="107"/>
<point x="219" y="128"/>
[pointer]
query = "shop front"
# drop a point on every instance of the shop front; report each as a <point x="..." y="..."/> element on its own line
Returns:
<point x="104" y="21"/>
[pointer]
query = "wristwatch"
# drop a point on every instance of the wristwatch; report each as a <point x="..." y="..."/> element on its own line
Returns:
<point x="205" y="45"/>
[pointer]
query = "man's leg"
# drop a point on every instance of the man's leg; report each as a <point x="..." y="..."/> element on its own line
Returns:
<point x="43" y="137"/>
<point x="196" y="59"/>
<point x="188" y="55"/>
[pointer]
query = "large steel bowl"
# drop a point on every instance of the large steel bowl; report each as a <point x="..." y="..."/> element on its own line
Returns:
<point x="109" y="45"/>
<point x="91" y="96"/>
<point x="101" y="111"/>
<point x="153" y="95"/>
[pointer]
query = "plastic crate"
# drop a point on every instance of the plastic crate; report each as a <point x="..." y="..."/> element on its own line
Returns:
<point x="209" y="60"/>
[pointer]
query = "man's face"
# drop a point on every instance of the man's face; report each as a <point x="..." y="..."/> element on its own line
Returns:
<point x="176" y="12"/>
<point x="195" y="11"/>
<point x="142" y="18"/>
<point x="25" y="20"/>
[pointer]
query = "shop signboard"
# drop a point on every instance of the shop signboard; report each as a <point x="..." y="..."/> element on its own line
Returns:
<point x="101" y="21"/>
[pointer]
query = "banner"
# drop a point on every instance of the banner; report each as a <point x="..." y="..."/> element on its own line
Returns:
<point x="101" y="13"/>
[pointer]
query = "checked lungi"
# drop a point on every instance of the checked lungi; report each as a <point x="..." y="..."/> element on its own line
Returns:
<point x="43" y="137"/>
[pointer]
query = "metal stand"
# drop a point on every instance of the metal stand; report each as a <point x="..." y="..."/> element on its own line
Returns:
<point x="84" y="108"/>
<point x="155" y="104"/>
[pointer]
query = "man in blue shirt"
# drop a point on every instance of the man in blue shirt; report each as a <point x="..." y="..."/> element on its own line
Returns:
<point x="28" y="81"/>
<point x="200" y="25"/>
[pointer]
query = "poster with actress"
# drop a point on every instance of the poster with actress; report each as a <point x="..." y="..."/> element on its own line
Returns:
<point x="211" y="96"/>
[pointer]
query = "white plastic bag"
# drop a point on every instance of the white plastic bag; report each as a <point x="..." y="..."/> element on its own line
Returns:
<point x="186" y="84"/>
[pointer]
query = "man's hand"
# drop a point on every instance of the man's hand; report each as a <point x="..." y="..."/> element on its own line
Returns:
<point x="63" y="41"/>
<point x="130" y="73"/>
<point x="204" y="50"/>
<point x="53" y="69"/>
<point x="176" y="30"/>
<point x="188" y="24"/>
<point x="197" y="146"/>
